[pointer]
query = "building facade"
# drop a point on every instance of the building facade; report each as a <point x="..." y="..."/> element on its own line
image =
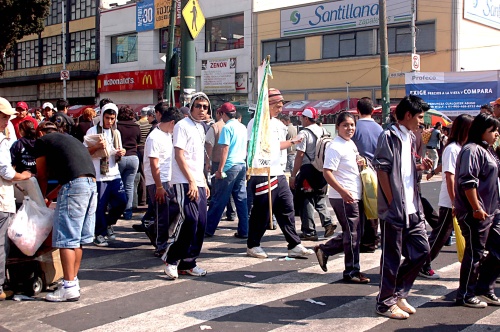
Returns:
<point x="32" y="73"/>
<point x="330" y="49"/>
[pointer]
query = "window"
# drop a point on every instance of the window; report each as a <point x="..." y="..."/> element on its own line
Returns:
<point x="348" y="44"/>
<point x="55" y="13"/>
<point x="399" y="38"/>
<point x="10" y="60"/>
<point x="82" y="45"/>
<point x="224" y="34"/>
<point x="124" y="48"/>
<point x="27" y="54"/>
<point x="82" y="8"/>
<point x="52" y="50"/>
<point x="285" y="50"/>
<point x="164" y="35"/>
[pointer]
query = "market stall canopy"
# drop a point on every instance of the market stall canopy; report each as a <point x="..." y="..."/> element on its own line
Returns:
<point x="77" y="110"/>
<point x="324" y="107"/>
<point x="432" y="116"/>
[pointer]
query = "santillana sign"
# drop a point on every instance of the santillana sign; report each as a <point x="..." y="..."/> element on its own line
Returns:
<point x="341" y="15"/>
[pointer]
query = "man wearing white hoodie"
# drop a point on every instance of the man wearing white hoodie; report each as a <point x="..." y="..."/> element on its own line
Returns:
<point x="110" y="189"/>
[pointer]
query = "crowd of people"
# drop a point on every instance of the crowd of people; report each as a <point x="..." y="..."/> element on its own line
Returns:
<point x="190" y="169"/>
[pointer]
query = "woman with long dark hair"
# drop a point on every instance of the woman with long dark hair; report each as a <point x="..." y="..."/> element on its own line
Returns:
<point x="341" y="172"/>
<point x="442" y="231"/>
<point x="129" y="163"/>
<point x="476" y="203"/>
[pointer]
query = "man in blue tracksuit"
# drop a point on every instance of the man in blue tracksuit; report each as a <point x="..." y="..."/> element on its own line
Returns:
<point x="400" y="210"/>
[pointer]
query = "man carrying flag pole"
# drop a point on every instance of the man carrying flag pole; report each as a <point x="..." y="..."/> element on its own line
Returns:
<point x="267" y="176"/>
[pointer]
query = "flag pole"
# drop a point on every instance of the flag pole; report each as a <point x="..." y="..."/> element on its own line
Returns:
<point x="268" y="60"/>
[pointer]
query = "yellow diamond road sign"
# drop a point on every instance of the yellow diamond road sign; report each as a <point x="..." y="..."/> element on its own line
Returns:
<point x="193" y="17"/>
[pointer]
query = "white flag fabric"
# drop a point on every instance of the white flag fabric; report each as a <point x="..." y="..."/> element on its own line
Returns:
<point x="259" y="148"/>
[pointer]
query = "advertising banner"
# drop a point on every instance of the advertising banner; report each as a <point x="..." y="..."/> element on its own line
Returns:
<point x="162" y="13"/>
<point x="339" y="15"/>
<point x="145" y="18"/>
<point x="454" y="93"/>
<point x="486" y="12"/>
<point x="130" y="80"/>
<point x="218" y="76"/>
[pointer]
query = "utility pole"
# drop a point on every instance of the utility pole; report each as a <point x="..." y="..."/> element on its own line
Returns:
<point x="64" y="44"/>
<point x="413" y="27"/>
<point x="348" y="99"/>
<point x="167" y="76"/>
<point x="188" y="78"/>
<point x="384" y="63"/>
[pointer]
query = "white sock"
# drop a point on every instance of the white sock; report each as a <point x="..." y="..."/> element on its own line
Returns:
<point x="69" y="284"/>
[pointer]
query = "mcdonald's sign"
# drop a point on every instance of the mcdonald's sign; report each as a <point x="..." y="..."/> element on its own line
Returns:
<point x="130" y="80"/>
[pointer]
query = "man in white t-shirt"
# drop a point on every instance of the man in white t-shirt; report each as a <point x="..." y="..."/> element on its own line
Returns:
<point x="110" y="189"/>
<point x="158" y="154"/>
<point x="281" y="196"/>
<point x="315" y="199"/>
<point x="190" y="192"/>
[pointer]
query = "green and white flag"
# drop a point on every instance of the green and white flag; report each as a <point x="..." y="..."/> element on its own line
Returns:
<point x="259" y="147"/>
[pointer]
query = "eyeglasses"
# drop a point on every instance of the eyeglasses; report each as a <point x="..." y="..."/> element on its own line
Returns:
<point x="205" y="107"/>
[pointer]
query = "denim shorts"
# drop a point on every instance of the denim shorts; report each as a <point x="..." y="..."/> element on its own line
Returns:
<point x="74" y="217"/>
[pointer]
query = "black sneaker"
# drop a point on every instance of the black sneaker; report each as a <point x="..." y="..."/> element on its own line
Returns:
<point x="472" y="302"/>
<point x="490" y="299"/>
<point x="237" y="235"/>
<point x="330" y="230"/>
<point x="308" y="237"/>
<point x="322" y="258"/>
<point x="359" y="278"/>
<point x="139" y="227"/>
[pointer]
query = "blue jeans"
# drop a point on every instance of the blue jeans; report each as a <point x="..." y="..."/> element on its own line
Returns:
<point x="74" y="217"/>
<point x="112" y="195"/>
<point x="233" y="184"/>
<point x="128" y="166"/>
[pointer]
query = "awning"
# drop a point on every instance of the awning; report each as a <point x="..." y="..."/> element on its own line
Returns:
<point x="324" y="107"/>
<point x="77" y="110"/>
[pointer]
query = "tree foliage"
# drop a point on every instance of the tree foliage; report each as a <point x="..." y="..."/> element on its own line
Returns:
<point x="19" y="18"/>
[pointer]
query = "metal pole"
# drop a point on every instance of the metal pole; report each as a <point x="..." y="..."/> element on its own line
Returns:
<point x="384" y="63"/>
<point x="167" y="76"/>
<point x="413" y="30"/>
<point x="188" y="74"/>
<point x="348" y="99"/>
<point x="64" y="44"/>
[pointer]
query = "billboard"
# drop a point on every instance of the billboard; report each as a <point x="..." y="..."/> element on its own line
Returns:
<point x="454" y="93"/>
<point x="145" y="18"/>
<point x="340" y="15"/>
<point x="155" y="14"/>
<point x="218" y="75"/>
<point x="486" y="12"/>
<point x="130" y="80"/>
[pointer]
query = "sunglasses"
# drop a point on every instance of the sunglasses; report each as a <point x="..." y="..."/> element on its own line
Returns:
<point x="205" y="107"/>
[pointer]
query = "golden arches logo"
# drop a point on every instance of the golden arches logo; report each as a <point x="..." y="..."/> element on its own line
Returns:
<point x="147" y="80"/>
<point x="98" y="84"/>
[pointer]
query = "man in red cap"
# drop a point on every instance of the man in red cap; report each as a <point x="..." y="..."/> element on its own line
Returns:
<point x="22" y="115"/>
<point x="316" y="198"/>
<point x="230" y="173"/>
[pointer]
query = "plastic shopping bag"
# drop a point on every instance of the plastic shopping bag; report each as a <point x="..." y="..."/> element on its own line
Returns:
<point x="459" y="239"/>
<point x="31" y="226"/>
<point x="369" y="180"/>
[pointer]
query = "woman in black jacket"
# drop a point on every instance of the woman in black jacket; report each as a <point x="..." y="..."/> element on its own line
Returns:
<point x="129" y="164"/>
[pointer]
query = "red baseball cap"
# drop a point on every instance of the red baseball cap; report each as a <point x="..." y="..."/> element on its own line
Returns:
<point x="22" y="105"/>
<point x="310" y="112"/>
<point x="495" y="102"/>
<point x="227" y="108"/>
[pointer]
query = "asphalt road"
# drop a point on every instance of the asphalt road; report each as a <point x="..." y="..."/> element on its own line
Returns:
<point x="124" y="289"/>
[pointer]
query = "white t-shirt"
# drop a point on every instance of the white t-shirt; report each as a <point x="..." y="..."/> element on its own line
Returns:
<point x="114" y="171"/>
<point x="158" y="145"/>
<point x="450" y="155"/>
<point x="340" y="157"/>
<point x="276" y="137"/>
<point x="407" y="169"/>
<point x="190" y="137"/>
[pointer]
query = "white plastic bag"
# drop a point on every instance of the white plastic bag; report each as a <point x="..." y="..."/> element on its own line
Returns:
<point x="31" y="226"/>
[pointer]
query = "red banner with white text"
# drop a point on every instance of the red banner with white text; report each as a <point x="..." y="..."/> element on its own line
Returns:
<point x="130" y="80"/>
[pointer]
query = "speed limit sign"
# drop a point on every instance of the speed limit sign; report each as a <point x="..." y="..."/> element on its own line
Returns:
<point x="415" y="62"/>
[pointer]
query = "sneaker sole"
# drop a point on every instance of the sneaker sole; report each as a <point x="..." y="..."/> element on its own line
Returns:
<point x="185" y="273"/>
<point x="319" y="256"/>
<point x="488" y="301"/>
<point x="101" y="245"/>
<point x="393" y="316"/>
<point x="73" y="299"/>
<point x="427" y="277"/>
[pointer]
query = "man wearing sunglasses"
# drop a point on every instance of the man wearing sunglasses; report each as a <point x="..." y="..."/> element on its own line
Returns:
<point x="190" y="192"/>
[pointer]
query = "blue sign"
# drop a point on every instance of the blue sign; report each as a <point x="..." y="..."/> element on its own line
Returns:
<point x="454" y="93"/>
<point x="145" y="18"/>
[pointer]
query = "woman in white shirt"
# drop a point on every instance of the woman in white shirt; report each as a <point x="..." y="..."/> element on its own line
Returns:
<point x="442" y="231"/>
<point x="345" y="189"/>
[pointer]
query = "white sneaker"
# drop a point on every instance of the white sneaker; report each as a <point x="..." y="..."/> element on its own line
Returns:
<point x="171" y="271"/>
<point x="300" y="251"/>
<point x="256" y="252"/>
<point x="111" y="233"/>
<point x="196" y="271"/>
<point x="405" y="306"/>
<point x="64" y="294"/>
